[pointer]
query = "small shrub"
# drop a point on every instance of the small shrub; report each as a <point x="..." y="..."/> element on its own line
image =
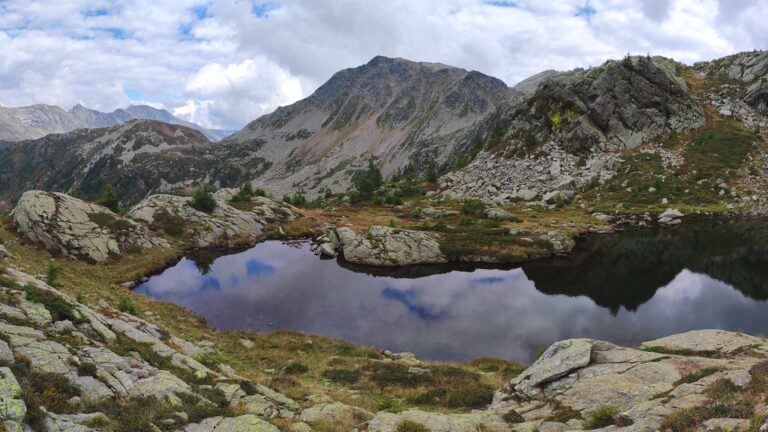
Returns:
<point x="389" y="404"/>
<point x="695" y="376"/>
<point x="249" y="388"/>
<point x="368" y="181"/>
<point x="127" y="306"/>
<point x="109" y="221"/>
<point x="59" y="308"/>
<point x="505" y="368"/>
<point x="299" y="200"/>
<point x="512" y="417"/>
<point x="416" y="212"/>
<point x="87" y="369"/>
<point x="109" y="199"/>
<point x="440" y="226"/>
<point x="432" y="173"/>
<point x="562" y="413"/>
<point x="52" y="274"/>
<point x="472" y="207"/>
<point x="409" y="426"/>
<point x="602" y="417"/>
<point x="202" y="200"/>
<point x="295" y="369"/>
<point x="342" y="376"/>
<point x="169" y="223"/>
<point x="467" y="395"/>
<point x="245" y="193"/>
<point x="394" y="198"/>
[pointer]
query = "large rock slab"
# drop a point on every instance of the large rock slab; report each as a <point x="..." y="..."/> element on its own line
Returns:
<point x="439" y="422"/>
<point x="77" y="228"/>
<point x="707" y="341"/>
<point x="385" y="246"/>
<point x="245" y="423"/>
<point x="558" y="360"/>
<point x="585" y="375"/>
<point x="332" y="413"/>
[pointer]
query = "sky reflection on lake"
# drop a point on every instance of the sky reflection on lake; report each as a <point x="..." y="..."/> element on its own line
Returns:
<point x="455" y="315"/>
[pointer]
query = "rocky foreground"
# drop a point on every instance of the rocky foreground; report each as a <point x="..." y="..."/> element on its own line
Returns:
<point x="70" y="367"/>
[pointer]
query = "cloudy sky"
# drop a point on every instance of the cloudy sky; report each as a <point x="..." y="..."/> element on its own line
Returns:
<point x="222" y="63"/>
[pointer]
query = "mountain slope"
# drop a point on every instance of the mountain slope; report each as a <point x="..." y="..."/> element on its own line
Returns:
<point x="393" y="110"/>
<point x="36" y="121"/>
<point x="138" y="158"/>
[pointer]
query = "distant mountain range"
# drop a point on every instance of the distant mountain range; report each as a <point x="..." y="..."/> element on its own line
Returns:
<point x="37" y="121"/>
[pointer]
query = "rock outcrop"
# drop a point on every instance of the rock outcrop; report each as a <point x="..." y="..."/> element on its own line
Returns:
<point x="91" y="232"/>
<point x="618" y="105"/>
<point x="224" y="225"/>
<point x="80" y="229"/>
<point x="642" y="387"/>
<point x="670" y="217"/>
<point x="382" y="246"/>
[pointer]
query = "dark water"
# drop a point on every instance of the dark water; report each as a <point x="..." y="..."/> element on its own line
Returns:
<point x="625" y="288"/>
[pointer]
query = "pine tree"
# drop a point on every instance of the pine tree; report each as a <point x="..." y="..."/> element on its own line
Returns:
<point x="203" y="200"/>
<point x="369" y="181"/>
<point x="109" y="199"/>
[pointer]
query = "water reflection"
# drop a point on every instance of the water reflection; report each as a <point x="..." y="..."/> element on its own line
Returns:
<point x="624" y="288"/>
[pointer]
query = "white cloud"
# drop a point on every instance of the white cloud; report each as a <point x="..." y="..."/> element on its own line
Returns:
<point x="224" y="62"/>
<point x="243" y="91"/>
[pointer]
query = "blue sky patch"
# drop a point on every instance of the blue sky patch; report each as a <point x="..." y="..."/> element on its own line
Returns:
<point x="503" y="3"/>
<point x="256" y="268"/>
<point x="116" y="33"/>
<point x="201" y="12"/>
<point x="133" y="94"/>
<point x="586" y="11"/>
<point x="262" y="10"/>
<point x="407" y="299"/>
<point x="97" y="12"/>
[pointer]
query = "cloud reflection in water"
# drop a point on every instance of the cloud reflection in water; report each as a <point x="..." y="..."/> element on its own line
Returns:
<point x="451" y="316"/>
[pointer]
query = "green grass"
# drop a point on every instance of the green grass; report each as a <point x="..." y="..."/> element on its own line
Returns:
<point x="718" y="149"/>
<point x="342" y="376"/>
<point x="59" y="308"/>
<point x="112" y="223"/>
<point x="695" y="376"/>
<point x="409" y="426"/>
<point x="603" y="416"/>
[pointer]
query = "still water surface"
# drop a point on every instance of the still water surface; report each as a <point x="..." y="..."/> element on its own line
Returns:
<point x="624" y="288"/>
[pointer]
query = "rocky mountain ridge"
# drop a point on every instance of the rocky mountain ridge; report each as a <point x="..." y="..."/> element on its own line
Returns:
<point x="36" y="121"/>
<point x="138" y="158"/>
<point x="393" y="110"/>
<point x="575" y="131"/>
